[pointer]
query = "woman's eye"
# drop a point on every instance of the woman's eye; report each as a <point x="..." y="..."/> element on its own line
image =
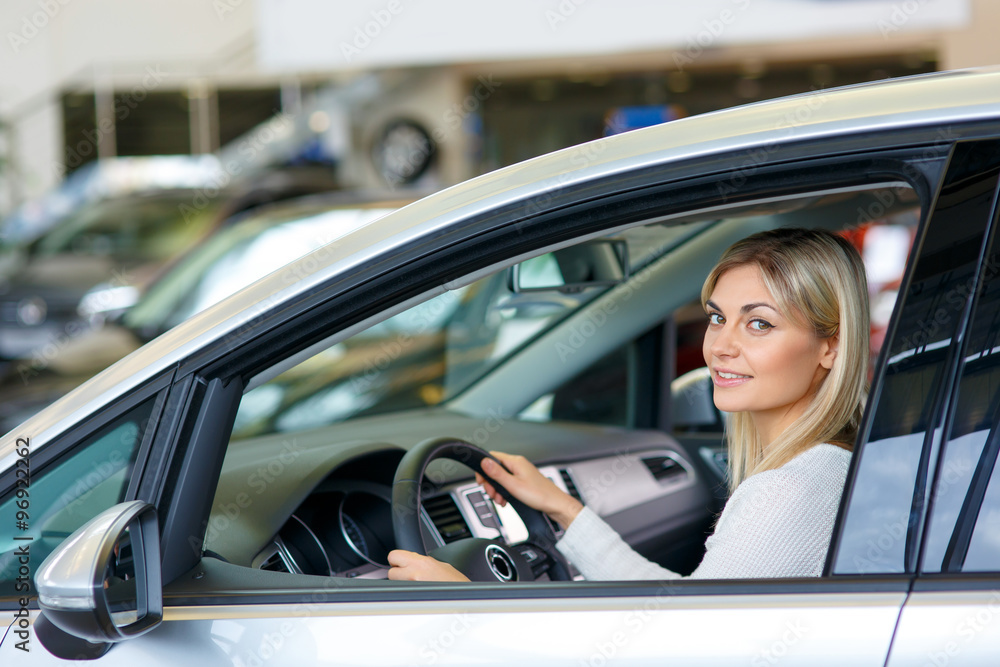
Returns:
<point x="715" y="318"/>
<point x="760" y="325"/>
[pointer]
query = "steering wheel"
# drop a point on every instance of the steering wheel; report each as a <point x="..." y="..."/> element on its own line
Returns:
<point x="477" y="558"/>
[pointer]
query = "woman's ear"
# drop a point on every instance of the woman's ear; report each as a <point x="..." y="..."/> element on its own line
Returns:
<point x="828" y="352"/>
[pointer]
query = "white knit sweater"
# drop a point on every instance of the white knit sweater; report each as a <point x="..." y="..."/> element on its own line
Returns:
<point x="777" y="523"/>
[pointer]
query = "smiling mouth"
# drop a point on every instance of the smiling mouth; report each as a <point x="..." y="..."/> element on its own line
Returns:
<point x="732" y="376"/>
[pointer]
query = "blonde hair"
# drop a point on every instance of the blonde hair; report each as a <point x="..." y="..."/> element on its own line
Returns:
<point x="818" y="280"/>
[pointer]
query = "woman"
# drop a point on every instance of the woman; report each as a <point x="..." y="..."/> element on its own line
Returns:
<point x="787" y="346"/>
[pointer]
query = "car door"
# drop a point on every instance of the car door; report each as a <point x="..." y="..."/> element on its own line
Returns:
<point x="219" y="612"/>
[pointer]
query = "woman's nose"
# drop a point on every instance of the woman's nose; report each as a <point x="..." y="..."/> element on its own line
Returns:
<point x="723" y="343"/>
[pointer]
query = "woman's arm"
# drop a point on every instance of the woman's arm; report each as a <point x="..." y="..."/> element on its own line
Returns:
<point x="524" y="482"/>
<point x="530" y="486"/>
<point x="602" y="555"/>
<point x="589" y="543"/>
<point x="777" y="524"/>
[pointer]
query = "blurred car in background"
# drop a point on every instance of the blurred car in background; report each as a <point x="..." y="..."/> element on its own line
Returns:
<point x="94" y="262"/>
<point x="244" y="250"/>
<point x="107" y="178"/>
<point x="116" y="245"/>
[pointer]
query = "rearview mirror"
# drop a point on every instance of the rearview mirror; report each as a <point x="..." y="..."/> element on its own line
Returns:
<point x="599" y="263"/>
<point x="102" y="584"/>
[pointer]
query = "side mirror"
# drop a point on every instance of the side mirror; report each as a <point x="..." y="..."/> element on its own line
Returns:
<point x="103" y="584"/>
<point x="599" y="263"/>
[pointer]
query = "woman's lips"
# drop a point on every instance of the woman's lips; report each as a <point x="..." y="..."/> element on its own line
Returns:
<point x="725" y="378"/>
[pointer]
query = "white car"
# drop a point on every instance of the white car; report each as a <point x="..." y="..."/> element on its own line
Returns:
<point x="227" y="493"/>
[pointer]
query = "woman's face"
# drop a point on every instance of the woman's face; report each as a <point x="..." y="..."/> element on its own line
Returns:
<point x="761" y="361"/>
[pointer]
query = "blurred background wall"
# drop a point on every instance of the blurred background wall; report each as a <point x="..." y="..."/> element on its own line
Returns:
<point x="404" y="93"/>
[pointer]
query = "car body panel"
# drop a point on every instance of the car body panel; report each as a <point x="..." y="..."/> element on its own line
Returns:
<point x="948" y="628"/>
<point x="795" y="630"/>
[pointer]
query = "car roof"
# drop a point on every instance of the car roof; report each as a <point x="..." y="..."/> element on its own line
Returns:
<point x="938" y="98"/>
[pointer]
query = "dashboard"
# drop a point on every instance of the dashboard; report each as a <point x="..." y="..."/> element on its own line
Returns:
<point x="343" y="528"/>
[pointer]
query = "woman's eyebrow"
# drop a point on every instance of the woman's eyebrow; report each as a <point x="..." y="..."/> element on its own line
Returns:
<point x="745" y="309"/>
<point x="761" y="304"/>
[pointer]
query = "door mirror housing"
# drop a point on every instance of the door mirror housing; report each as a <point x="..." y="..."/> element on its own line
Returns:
<point x="103" y="584"/>
<point x="600" y="263"/>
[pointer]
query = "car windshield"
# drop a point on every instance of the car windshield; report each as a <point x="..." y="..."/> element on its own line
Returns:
<point x="429" y="353"/>
<point x="240" y="255"/>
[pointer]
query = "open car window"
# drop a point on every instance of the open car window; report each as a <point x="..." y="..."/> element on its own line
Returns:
<point x="306" y="481"/>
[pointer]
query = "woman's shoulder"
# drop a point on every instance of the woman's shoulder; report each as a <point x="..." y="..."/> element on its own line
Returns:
<point x="820" y="467"/>
<point x="786" y="513"/>
<point x="801" y="492"/>
<point x="823" y="459"/>
<point x="824" y="451"/>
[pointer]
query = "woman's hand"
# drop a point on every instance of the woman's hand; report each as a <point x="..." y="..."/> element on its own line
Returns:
<point x="410" y="566"/>
<point x="529" y="486"/>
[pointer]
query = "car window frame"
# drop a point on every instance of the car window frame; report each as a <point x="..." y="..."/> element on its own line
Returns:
<point x="216" y="359"/>
<point x="66" y="441"/>
<point x="770" y="180"/>
<point x="953" y="580"/>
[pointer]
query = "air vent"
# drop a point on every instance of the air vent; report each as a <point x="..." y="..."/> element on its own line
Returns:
<point x="663" y="467"/>
<point x="570" y="486"/>
<point x="275" y="563"/>
<point x="446" y="517"/>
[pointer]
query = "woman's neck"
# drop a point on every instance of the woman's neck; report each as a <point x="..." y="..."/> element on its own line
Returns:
<point x="770" y="424"/>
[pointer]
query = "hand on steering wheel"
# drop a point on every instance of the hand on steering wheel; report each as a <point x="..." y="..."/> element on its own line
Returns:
<point x="411" y="566"/>
<point x="521" y="478"/>
<point x="477" y="558"/>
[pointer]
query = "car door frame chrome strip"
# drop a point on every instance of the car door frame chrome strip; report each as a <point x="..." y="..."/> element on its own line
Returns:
<point x="665" y="601"/>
